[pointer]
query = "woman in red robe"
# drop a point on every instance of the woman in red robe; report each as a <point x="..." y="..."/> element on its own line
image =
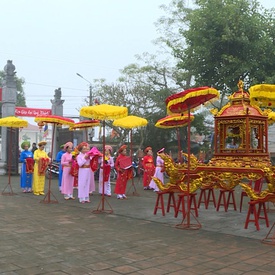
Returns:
<point x="123" y="166"/>
<point x="149" y="167"/>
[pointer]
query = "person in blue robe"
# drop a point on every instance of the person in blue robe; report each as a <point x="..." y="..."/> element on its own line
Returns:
<point x="58" y="160"/>
<point x="26" y="158"/>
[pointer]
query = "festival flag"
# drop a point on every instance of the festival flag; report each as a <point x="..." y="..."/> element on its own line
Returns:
<point x="46" y="131"/>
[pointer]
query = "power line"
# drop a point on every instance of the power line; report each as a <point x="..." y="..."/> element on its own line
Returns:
<point x="54" y="86"/>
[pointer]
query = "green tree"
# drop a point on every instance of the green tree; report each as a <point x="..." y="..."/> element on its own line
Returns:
<point x="143" y="89"/>
<point x="220" y="41"/>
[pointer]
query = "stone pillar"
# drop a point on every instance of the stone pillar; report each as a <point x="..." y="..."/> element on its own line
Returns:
<point x="57" y="110"/>
<point x="9" y="94"/>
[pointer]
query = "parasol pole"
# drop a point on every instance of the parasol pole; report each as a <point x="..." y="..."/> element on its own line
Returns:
<point x="188" y="214"/>
<point x="86" y="134"/>
<point x="101" y="207"/>
<point x="179" y="147"/>
<point x="47" y="198"/>
<point x="135" y="193"/>
<point x="9" y="169"/>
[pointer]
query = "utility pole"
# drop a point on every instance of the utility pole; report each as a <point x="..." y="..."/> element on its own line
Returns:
<point x="91" y="134"/>
<point x="90" y="89"/>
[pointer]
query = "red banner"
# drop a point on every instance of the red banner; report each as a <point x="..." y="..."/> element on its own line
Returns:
<point x="32" y="112"/>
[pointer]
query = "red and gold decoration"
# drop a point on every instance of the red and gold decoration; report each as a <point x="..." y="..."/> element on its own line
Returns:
<point x="240" y="146"/>
<point x="42" y="166"/>
<point x="190" y="99"/>
<point x="173" y="121"/>
<point x="59" y="120"/>
<point x="83" y="124"/>
<point x="29" y="165"/>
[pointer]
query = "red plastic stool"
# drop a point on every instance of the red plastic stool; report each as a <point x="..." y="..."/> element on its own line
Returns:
<point x="171" y="202"/>
<point x="252" y="210"/>
<point x="206" y="197"/>
<point x="222" y="201"/>
<point x="181" y="204"/>
<point x="160" y="202"/>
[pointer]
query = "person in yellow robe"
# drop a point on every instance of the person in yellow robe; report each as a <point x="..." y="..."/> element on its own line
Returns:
<point x="41" y="163"/>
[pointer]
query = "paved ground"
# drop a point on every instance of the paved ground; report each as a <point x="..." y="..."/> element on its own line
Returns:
<point x="69" y="238"/>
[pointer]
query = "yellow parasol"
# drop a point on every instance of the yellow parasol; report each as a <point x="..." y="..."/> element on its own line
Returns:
<point x="262" y="95"/>
<point x="55" y="120"/>
<point x="12" y="122"/>
<point x="130" y="122"/>
<point x="103" y="112"/>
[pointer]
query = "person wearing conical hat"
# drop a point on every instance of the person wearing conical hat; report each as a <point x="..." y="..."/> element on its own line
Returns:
<point x="26" y="157"/>
<point x="41" y="161"/>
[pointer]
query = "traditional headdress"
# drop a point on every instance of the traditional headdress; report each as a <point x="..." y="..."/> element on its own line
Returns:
<point x="161" y="150"/>
<point x="68" y="144"/>
<point x="24" y="143"/>
<point x="122" y="148"/>
<point x="146" y="150"/>
<point x="42" y="143"/>
<point x="81" y="145"/>
<point x="109" y="147"/>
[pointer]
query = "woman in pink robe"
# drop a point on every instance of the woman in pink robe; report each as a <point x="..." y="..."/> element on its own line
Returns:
<point x="67" y="179"/>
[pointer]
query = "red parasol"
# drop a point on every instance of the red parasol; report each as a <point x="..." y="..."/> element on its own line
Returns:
<point x="12" y="122"/>
<point x="189" y="99"/>
<point x="184" y="102"/>
<point x="84" y="125"/>
<point x="175" y="121"/>
<point x="55" y="120"/>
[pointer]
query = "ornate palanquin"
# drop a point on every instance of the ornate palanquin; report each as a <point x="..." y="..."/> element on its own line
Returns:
<point x="240" y="153"/>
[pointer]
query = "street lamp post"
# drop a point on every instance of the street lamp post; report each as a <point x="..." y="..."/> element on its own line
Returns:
<point x="91" y="135"/>
<point x="90" y="89"/>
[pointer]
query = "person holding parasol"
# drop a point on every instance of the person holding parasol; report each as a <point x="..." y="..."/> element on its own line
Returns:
<point x="26" y="157"/>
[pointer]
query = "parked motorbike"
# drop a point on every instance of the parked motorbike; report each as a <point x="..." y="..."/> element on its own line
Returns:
<point x="52" y="170"/>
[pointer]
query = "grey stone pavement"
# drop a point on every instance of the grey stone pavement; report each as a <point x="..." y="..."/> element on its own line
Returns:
<point x="70" y="238"/>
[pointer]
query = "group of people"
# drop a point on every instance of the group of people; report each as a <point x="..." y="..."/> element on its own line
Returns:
<point x="77" y="168"/>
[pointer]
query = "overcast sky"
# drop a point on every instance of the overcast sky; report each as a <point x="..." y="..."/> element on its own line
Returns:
<point x="50" y="41"/>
